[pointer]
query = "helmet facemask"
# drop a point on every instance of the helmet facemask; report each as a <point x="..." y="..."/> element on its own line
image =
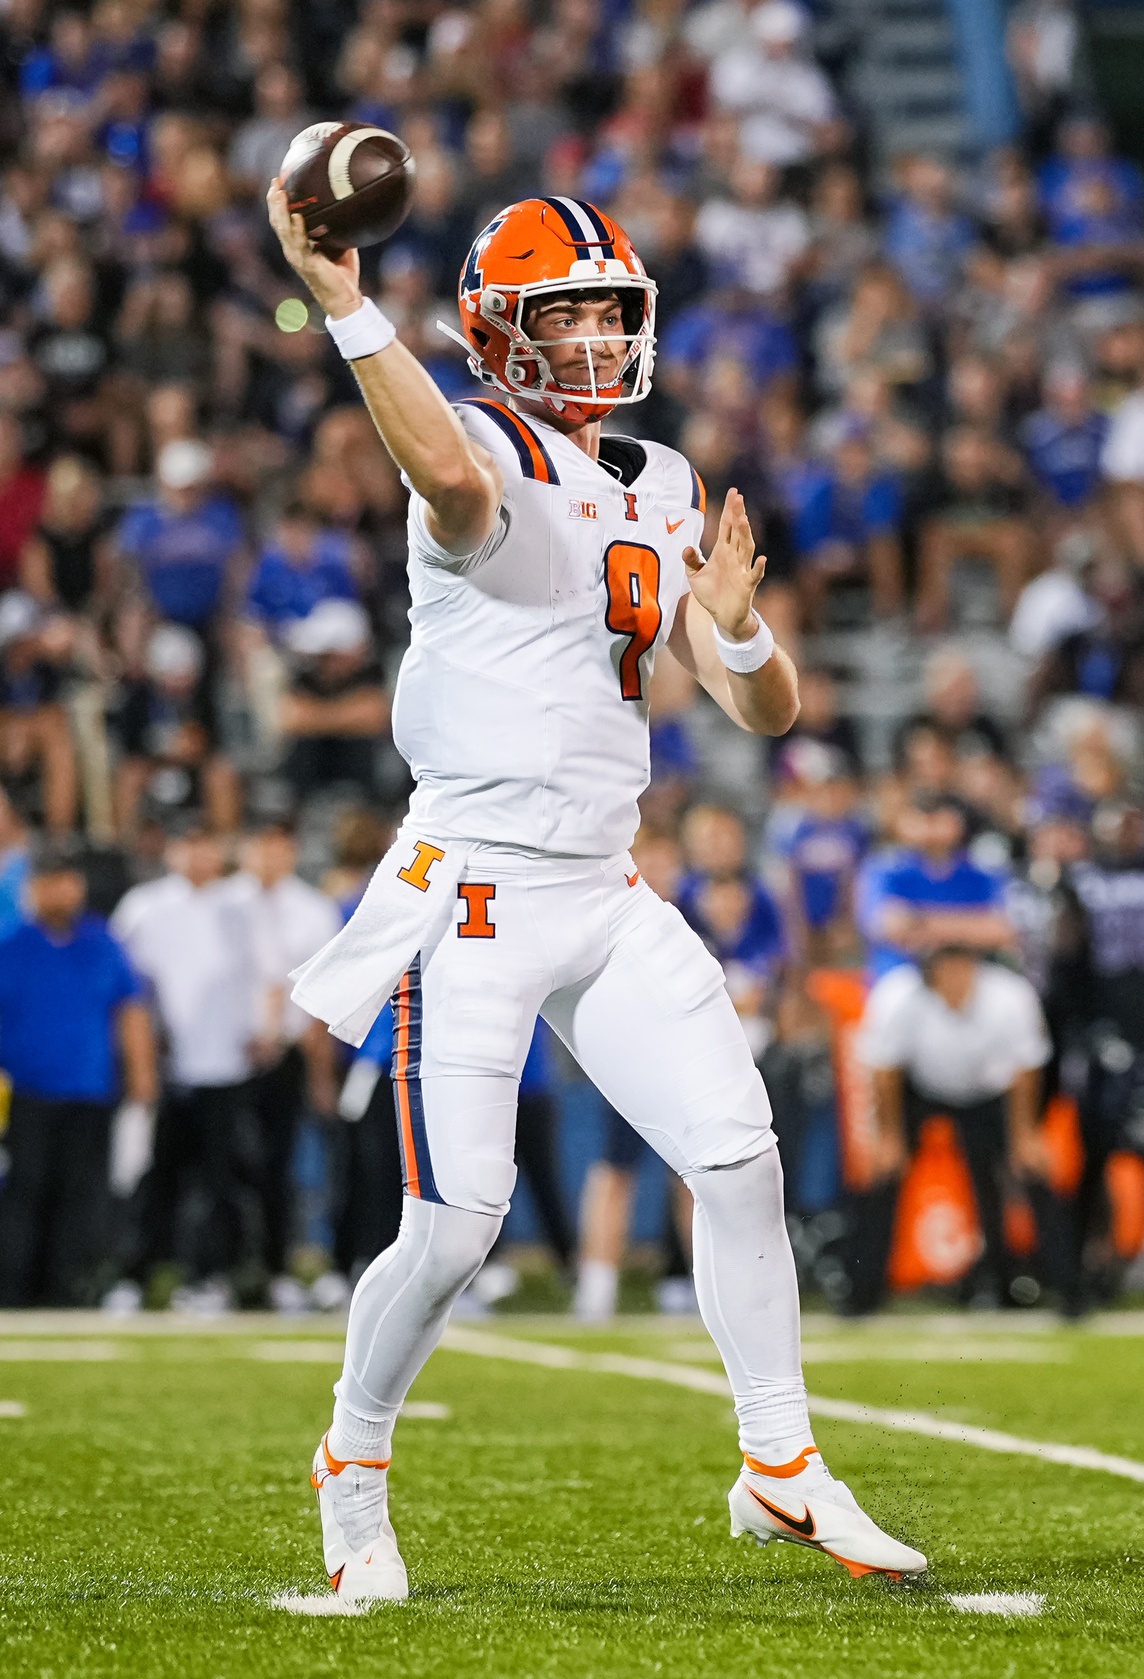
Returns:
<point x="528" y="370"/>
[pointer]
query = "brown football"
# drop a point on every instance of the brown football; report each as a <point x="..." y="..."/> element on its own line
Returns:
<point x="352" y="183"/>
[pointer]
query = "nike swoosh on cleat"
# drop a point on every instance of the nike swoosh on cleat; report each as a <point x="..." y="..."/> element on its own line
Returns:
<point x="671" y="529"/>
<point x="805" y="1527"/>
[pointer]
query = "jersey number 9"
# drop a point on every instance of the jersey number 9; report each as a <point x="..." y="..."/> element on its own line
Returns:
<point x="631" y="576"/>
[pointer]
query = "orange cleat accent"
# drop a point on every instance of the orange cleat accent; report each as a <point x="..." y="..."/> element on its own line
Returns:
<point x="336" y="1465"/>
<point x="782" y="1471"/>
<point x="336" y="1579"/>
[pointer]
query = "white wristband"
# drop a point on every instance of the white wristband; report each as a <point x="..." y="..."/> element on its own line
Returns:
<point x="363" y="333"/>
<point x="745" y="656"/>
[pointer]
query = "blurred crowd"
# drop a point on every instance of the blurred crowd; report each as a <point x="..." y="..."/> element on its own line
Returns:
<point x="927" y="378"/>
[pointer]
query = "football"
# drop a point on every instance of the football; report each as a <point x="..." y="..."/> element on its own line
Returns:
<point x="352" y="183"/>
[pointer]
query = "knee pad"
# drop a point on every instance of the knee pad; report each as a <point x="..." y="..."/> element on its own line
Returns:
<point x="738" y="1135"/>
<point x="745" y="1186"/>
<point x="452" y="1243"/>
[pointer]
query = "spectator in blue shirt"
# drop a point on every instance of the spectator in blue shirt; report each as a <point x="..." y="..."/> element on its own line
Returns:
<point x="184" y="542"/>
<point x="823" y="853"/>
<point x="732" y="911"/>
<point x="850" y="525"/>
<point x="123" y="133"/>
<point x="70" y="1013"/>
<point x="1093" y="202"/>
<point x="1063" y="440"/>
<point x="1082" y="156"/>
<point x="930" y="894"/>
<point x="1098" y="243"/>
<point x="925" y="238"/>
<point x="302" y="566"/>
<point x="68" y="62"/>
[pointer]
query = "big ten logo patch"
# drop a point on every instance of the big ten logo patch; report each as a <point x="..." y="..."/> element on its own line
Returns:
<point x="476" y="899"/>
<point x="417" y="872"/>
<point x="582" y="510"/>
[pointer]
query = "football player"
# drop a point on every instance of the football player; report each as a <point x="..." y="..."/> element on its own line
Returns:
<point x="548" y="563"/>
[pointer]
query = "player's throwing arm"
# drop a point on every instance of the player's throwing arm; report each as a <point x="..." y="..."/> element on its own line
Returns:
<point x="457" y="477"/>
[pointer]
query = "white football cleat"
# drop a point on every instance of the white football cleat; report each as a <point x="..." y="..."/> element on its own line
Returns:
<point x="802" y="1503"/>
<point x="360" y="1546"/>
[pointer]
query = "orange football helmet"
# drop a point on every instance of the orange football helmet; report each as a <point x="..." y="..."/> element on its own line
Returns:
<point x="554" y="247"/>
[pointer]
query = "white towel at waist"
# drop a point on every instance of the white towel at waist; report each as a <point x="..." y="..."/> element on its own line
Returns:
<point x="351" y="978"/>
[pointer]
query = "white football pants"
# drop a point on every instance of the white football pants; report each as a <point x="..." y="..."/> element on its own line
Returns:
<point x="641" y="1004"/>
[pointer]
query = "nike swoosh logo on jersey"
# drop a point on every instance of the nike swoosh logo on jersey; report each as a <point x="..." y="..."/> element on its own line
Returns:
<point x="805" y="1526"/>
<point x="671" y="529"/>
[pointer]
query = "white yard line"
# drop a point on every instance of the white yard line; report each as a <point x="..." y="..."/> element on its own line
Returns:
<point x="12" y="1408"/>
<point x="299" y="1352"/>
<point x="60" y="1352"/>
<point x="321" y="1603"/>
<point x="997" y="1603"/>
<point x="862" y="1351"/>
<point x="838" y="1410"/>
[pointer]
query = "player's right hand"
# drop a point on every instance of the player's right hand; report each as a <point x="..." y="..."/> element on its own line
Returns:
<point x="335" y="282"/>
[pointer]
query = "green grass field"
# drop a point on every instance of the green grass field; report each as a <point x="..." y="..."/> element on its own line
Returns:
<point x="154" y="1498"/>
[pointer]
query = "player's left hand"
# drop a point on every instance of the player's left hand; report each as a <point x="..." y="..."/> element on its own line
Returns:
<point x="725" y="583"/>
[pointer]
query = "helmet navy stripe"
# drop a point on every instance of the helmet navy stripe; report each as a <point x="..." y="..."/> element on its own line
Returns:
<point x="578" y="236"/>
<point x="598" y="223"/>
<point x="591" y="227"/>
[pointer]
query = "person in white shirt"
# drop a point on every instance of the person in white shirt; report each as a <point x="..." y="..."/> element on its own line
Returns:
<point x="192" y="936"/>
<point x="753" y="239"/>
<point x="786" y="102"/>
<point x="291" y="921"/>
<point x="965" y="1038"/>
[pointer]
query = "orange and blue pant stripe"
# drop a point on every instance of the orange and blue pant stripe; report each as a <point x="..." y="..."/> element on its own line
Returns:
<point x="416" y="1167"/>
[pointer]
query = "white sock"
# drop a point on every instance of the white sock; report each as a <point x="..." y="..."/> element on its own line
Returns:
<point x="597" y="1289"/>
<point x="747" y="1289"/>
<point x="401" y="1306"/>
<point x="357" y="1439"/>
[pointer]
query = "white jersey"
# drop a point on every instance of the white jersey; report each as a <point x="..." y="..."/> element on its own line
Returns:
<point x="521" y="706"/>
